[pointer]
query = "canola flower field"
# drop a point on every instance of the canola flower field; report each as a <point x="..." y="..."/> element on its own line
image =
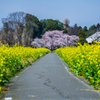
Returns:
<point x="83" y="61"/>
<point x="14" y="59"/>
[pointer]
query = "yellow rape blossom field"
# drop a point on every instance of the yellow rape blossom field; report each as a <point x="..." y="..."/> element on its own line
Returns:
<point x="14" y="59"/>
<point x="83" y="61"/>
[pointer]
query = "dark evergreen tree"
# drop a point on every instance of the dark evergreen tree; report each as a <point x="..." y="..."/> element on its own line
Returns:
<point x="82" y="37"/>
<point x="33" y="25"/>
<point x="50" y="24"/>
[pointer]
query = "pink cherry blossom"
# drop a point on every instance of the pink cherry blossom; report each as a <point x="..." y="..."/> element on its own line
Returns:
<point x="55" y="39"/>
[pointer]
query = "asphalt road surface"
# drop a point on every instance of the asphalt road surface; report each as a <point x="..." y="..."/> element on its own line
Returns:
<point x="49" y="79"/>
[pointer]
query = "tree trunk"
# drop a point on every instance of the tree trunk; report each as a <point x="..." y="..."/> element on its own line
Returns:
<point x="19" y="40"/>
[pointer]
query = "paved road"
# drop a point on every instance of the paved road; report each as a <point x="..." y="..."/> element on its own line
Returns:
<point x="48" y="79"/>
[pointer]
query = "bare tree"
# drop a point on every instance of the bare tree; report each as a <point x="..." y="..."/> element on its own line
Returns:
<point x="6" y="35"/>
<point x="66" y="23"/>
<point x="17" y="18"/>
<point x="15" y="21"/>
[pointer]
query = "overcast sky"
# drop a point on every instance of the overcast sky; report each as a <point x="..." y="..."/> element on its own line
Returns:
<point x="81" y="12"/>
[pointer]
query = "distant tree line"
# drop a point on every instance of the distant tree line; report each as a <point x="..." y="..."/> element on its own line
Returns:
<point x="22" y="28"/>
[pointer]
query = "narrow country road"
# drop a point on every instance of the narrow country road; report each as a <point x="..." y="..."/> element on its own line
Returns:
<point x="48" y="79"/>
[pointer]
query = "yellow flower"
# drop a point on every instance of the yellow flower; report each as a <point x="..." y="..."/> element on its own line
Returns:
<point x="0" y="80"/>
<point x="96" y="65"/>
<point x="3" y="70"/>
<point x="97" y="85"/>
<point x="91" y="77"/>
<point x="1" y="75"/>
<point x="99" y="72"/>
<point x="0" y="88"/>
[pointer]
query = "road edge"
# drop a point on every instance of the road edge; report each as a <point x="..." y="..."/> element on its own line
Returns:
<point x="82" y="80"/>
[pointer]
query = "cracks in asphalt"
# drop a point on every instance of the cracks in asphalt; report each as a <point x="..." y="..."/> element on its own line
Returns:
<point x="40" y="76"/>
<point x="47" y="83"/>
<point x="54" y="88"/>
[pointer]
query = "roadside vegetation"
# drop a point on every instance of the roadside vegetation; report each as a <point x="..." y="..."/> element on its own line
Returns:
<point x="14" y="59"/>
<point x="84" y="60"/>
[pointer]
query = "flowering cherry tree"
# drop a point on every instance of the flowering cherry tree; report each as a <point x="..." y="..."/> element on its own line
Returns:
<point x="55" y="39"/>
